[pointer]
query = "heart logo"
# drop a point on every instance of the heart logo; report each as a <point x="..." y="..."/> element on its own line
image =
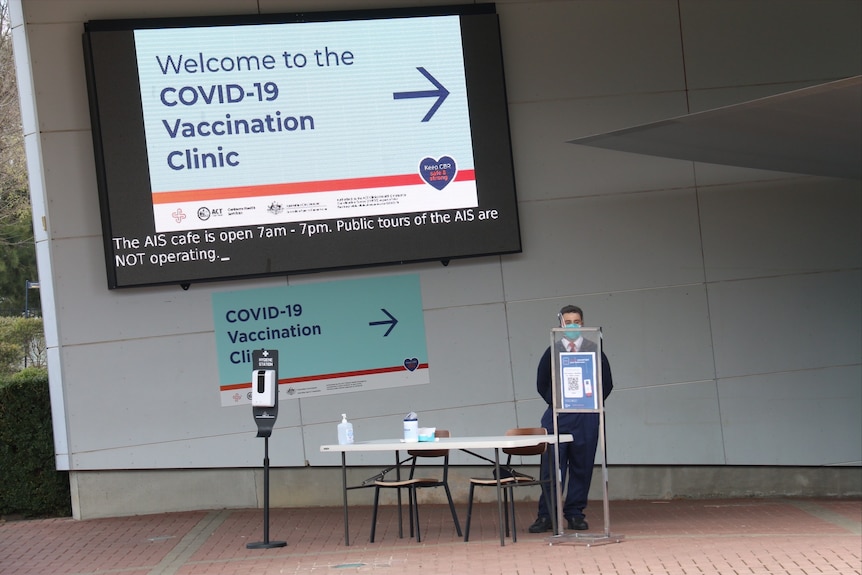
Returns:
<point x="438" y="173"/>
<point x="411" y="364"/>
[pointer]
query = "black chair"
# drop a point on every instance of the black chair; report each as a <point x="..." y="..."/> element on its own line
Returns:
<point x="412" y="484"/>
<point x="510" y="479"/>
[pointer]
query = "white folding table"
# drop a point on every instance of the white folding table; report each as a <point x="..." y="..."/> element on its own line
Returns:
<point x="495" y="442"/>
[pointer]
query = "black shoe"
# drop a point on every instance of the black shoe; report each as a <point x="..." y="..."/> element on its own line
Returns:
<point x="577" y="523"/>
<point x="541" y="525"/>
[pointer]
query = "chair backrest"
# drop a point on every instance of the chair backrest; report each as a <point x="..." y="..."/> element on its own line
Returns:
<point x="529" y="450"/>
<point x="431" y="452"/>
<point x="444" y="453"/>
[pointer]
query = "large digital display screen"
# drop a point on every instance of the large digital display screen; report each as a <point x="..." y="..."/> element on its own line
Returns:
<point x="250" y="146"/>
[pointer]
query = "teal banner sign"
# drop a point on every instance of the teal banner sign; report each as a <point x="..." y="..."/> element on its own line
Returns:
<point x="333" y="337"/>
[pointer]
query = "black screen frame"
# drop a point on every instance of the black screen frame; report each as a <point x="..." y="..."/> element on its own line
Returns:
<point x="123" y="177"/>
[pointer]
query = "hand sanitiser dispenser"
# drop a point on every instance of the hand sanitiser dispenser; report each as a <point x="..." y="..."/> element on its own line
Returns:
<point x="264" y="408"/>
<point x="263" y="388"/>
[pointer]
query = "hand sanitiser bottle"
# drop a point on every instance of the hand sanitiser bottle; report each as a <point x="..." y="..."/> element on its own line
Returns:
<point x="345" y="431"/>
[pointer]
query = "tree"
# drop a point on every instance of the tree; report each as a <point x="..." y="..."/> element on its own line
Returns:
<point x="17" y="248"/>
<point x="22" y="344"/>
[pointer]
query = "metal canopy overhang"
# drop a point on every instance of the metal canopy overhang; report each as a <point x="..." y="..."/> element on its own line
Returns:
<point x="815" y="131"/>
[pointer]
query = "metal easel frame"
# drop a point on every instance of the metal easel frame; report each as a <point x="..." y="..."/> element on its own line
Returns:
<point x="593" y="334"/>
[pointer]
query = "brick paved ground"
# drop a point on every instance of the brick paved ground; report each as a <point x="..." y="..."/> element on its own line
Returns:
<point x="734" y="537"/>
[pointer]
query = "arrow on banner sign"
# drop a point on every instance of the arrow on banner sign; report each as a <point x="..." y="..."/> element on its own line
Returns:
<point x="391" y="321"/>
<point x="440" y="93"/>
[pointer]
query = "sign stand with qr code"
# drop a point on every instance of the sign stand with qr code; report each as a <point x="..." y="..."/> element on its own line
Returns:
<point x="576" y="378"/>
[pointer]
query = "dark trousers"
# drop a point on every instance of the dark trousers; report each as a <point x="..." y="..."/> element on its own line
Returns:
<point x="576" y="460"/>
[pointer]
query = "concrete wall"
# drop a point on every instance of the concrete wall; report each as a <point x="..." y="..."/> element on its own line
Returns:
<point x="729" y="298"/>
<point x="119" y="493"/>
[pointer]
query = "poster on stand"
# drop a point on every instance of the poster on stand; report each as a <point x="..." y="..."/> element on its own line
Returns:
<point x="578" y="381"/>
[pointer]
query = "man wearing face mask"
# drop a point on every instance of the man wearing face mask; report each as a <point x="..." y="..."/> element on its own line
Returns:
<point x="578" y="457"/>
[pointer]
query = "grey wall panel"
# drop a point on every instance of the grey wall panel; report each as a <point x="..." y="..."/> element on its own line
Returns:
<point x="275" y="6"/>
<point x="769" y="41"/>
<point x="529" y="411"/>
<point x="134" y="393"/>
<point x="463" y="282"/>
<point x="655" y="337"/>
<point x="46" y="292"/>
<point x="69" y="165"/>
<point x="58" y="50"/>
<point x="781" y="227"/>
<point x="786" y="323"/>
<point x="82" y="10"/>
<point x="530" y="323"/>
<point x="59" y="421"/>
<point x="645" y="425"/>
<point x="602" y="244"/>
<point x="88" y="312"/>
<point x="805" y="417"/>
<point x="716" y="174"/>
<point x="240" y="449"/>
<point x="558" y="50"/>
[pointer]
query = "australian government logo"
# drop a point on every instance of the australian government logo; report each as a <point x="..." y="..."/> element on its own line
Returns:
<point x="275" y="208"/>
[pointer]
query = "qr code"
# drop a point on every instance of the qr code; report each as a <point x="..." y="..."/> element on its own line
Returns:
<point x="574" y="383"/>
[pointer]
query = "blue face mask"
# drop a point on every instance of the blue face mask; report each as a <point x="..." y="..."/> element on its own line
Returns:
<point x="574" y="331"/>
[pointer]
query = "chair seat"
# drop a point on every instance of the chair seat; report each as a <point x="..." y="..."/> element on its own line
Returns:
<point x="503" y="481"/>
<point x="424" y="480"/>
<point x="406" y="482"/>
<point x="509" y="479"/>
<point x="412" y="484"/>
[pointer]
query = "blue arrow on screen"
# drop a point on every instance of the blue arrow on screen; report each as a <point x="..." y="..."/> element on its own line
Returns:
<point x="440" y="93"/>
<point x="391" y="321"/>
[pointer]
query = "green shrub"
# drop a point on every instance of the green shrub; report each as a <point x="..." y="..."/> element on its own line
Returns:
<point x="30" y="484"/>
